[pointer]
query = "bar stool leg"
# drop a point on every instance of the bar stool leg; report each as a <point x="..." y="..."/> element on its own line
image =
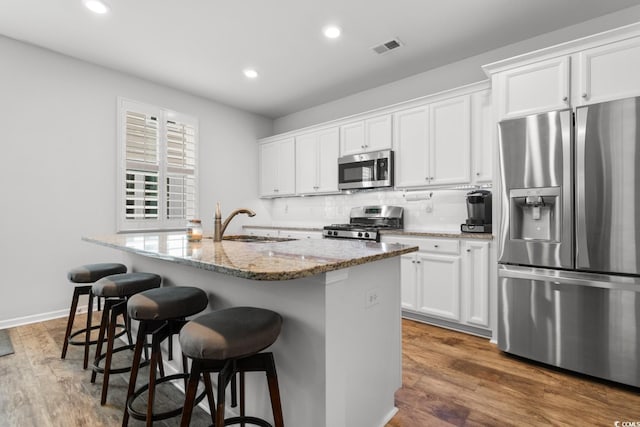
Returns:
<point x="72" y="316"/>
<point x="137" y="356"/>
<point x="224" y="376"/>
<point x="209" y="388"/>
<point x="274" y="391"/>
<point x="115" y="310"/>
<point x="87" y="334"/>
<point x="103" y="327"/>
<point x="190" y="394"/>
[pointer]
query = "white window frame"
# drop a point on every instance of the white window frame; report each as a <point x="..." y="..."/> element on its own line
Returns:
<point x="163" y="115"/>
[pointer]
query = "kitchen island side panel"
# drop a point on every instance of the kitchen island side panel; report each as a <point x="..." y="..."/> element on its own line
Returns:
<point x="338" y="357"/>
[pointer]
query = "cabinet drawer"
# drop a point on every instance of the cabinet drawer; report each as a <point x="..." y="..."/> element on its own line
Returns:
<point x="440" y="246"/>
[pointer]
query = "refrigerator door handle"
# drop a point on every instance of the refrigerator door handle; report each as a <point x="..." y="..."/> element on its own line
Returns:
<point x="582" y="253"/>
<point x="571" y="278"/>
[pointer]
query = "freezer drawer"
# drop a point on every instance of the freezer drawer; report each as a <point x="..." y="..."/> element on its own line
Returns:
<point x="583" y="322"/>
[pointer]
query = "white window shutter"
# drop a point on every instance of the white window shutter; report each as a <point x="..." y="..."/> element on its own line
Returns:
<point x="158" y="172"/>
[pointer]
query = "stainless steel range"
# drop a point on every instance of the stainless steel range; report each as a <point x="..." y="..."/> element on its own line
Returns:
<point x="365" y="222"/>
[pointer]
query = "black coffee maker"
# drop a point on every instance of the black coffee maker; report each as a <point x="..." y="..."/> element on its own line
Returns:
<point x="479" y="212"/>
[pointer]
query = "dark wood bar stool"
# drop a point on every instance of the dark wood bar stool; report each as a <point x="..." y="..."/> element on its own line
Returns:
<point x="230" y="342"/>
<point x="83" y="277"/>
<point x="162" y="313"/>
<point x="116" y="290"/>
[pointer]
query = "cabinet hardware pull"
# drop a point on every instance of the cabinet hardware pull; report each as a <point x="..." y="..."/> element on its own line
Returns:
<point x="468" y="250"/>
<point x="565" y="99"/>
<point x="435" y="246"/>
<point x="477" y="173"/>
<point x="417" y="262"/>
<point x="584" y="95"/>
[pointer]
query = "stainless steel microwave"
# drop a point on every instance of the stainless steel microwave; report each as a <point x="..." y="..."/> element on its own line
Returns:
<point x="366" y="170"/>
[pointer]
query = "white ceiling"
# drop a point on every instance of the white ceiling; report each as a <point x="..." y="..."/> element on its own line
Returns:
<point x="202" y="46"/>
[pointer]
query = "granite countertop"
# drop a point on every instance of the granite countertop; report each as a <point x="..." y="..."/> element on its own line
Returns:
<point x="405" y="232"/>
<point x="283" y="260"/>
<point x="447" y="234"/>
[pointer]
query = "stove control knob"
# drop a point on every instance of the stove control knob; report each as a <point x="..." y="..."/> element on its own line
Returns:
<point x="359" y="234"/>
<point x="335" y="233"/>
<point x="366" y="234"/>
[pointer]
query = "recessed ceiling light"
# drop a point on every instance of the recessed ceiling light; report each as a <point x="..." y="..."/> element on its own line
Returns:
<point x="331" y="32"/>
<point x="96" y="6"/>
<point x="250" y="73"/>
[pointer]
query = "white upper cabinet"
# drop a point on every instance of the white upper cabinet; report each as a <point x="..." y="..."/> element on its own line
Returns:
<point x="450" y="145"/>
<point x="366" y="135"/>
<point x="608" y="72"/>
<point x="317" y="162"/>
<point x="599" y="68"/>
<point x="277" y="168"/>
<point x="412" y="147"/>
<point x="482" y="134"/>
<point x="433" y="143"/>
<point x="534" y="88"/>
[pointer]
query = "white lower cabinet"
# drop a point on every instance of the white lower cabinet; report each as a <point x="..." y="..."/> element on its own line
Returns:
<point x="475" y="283"/>
<point x="446" y="279"/>
<point x="283" y="232"/>
<point x="439" y="285"/>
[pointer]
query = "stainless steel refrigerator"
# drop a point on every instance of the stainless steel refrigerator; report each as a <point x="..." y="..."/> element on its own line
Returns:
<point x="569" y="239"/>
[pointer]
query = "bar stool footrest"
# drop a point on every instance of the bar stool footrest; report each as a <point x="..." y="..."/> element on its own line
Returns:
<point x="92" y="342"/>
<point x="161" y="415"/>
<point x="247" y="420"/>
<point x="97" y="368"/>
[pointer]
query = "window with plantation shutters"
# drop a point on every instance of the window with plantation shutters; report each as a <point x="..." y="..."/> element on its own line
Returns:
<point x="157" y="181"/>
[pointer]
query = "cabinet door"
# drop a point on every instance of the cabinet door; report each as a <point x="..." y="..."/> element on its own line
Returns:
<point x="609" y="72"/>
<point x="378" y="133"/>
<point x="411" y="133"/>
<point x="306" y="163"/>
<point x="450" y="141"/>
<point x="475" y="266"/>
<point x="299" y="235"/>
<point x="352" y="138"/>
<point x="328" y="152"/>
<point x="439" y="293"/>
<point x="286" y="168"/>
<point x="534" y="88"/>
<point x="268" y="169"/>
<point x="409" y="282"/>
<point x="482" y="134"/>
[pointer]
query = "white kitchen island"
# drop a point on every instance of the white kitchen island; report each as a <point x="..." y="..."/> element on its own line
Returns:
<point x="339" y="353"/>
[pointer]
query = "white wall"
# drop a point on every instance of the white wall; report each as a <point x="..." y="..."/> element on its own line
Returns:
<point x="58" y="171"/>
<point x="448" y="77"/>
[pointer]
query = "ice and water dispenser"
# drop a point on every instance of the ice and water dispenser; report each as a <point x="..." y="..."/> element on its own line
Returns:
<point x="534" y="214"/>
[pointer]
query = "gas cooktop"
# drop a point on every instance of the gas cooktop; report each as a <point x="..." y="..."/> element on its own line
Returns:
<point x="365" y="222"/>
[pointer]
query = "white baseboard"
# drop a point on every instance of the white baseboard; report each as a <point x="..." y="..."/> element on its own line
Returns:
<point x="35" y="318"/>
<point x="390" y="415"/>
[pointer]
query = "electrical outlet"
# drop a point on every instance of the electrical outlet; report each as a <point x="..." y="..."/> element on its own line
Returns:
<point x="428" y="206"/>
<point x="372" y="298"/>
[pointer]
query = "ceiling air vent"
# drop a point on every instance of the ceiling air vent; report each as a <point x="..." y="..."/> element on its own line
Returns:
<point x="387" y="46"/>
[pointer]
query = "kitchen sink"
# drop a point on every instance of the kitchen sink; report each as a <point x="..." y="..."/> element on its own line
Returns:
<point x="255" y="239"/>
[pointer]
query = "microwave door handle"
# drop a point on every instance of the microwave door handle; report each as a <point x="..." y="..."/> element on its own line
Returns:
<point x="374" y="175"/>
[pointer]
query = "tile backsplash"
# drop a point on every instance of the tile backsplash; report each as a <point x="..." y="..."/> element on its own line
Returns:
<point x="428" y="210"/>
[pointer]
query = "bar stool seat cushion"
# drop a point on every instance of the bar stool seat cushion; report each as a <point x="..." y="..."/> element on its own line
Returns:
<point x="230" y="333"/>
<point x="167" y="303"/>
<point x="124" y="285"/>
<point x="92" y="272"/>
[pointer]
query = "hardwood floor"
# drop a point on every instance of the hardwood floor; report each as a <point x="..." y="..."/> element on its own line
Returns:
<point x="456" y="379"/>
<point x="450" y="379"/>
